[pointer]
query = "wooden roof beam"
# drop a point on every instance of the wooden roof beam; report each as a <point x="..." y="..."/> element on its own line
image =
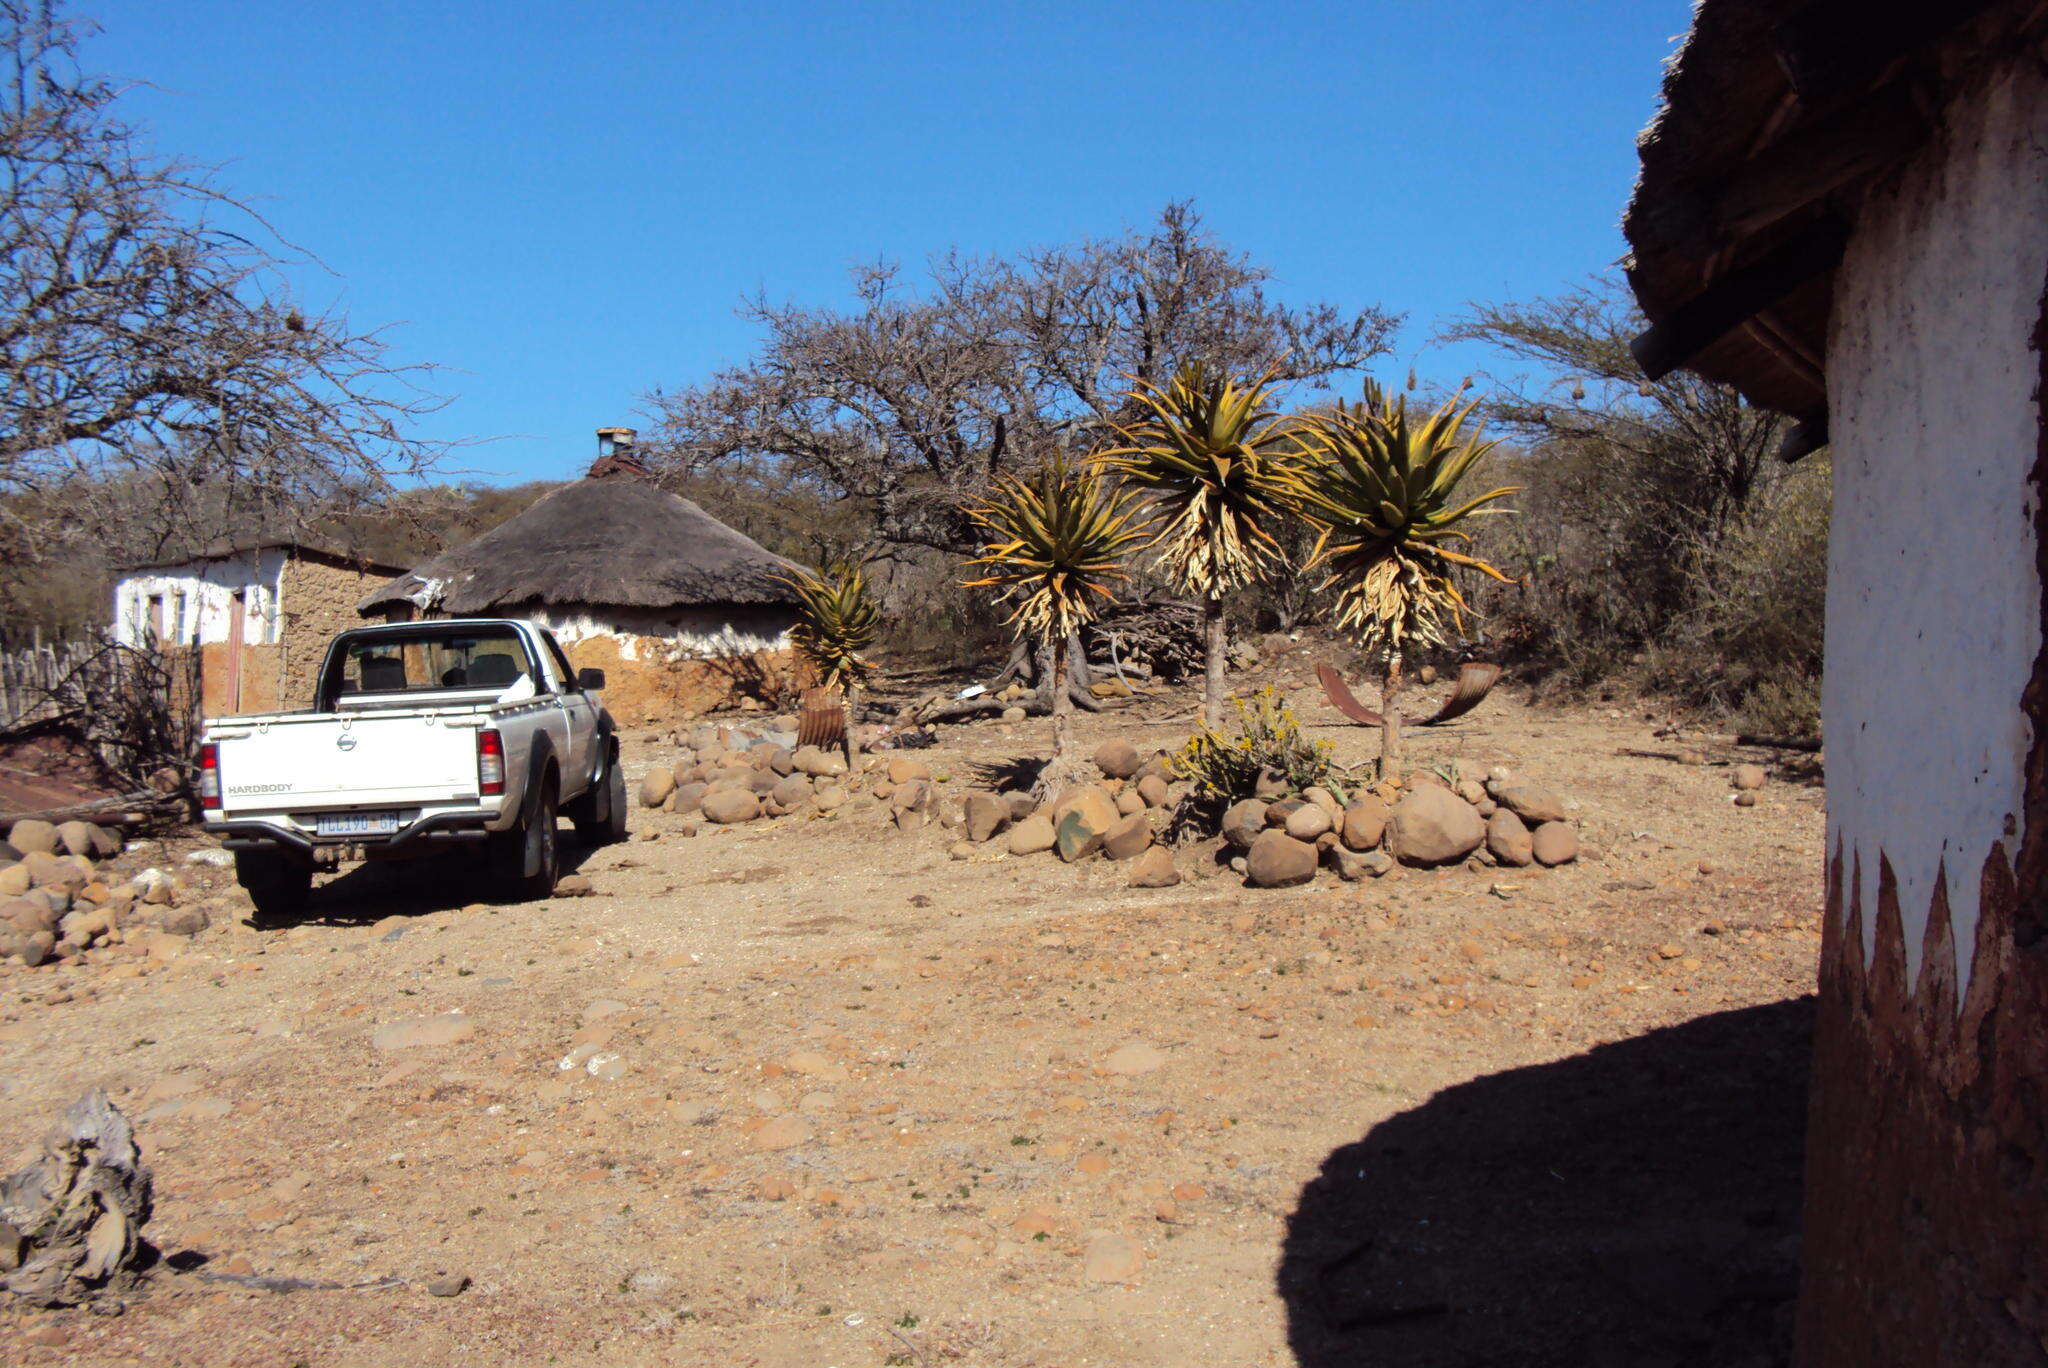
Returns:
<point x="1736" y="297"/>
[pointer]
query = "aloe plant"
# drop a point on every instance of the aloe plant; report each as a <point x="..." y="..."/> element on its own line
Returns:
<point x="1216" y="461"/>
<point x="1384" y="491"/>
<point x="1052" y="546"/>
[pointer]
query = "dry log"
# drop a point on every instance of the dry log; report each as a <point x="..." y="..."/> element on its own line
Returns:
<point x="71" y="1222"/>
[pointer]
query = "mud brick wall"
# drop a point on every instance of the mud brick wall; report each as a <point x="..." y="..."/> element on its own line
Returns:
<point x="318" y="599"/>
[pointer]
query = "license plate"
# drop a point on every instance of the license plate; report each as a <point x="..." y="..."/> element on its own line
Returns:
<point x="355" y="823"/>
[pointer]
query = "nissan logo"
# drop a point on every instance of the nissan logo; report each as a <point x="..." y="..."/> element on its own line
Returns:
<point x="345" y="741"/>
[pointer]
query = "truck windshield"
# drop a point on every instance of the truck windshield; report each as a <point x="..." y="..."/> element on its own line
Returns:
<point x="382" y="664"/>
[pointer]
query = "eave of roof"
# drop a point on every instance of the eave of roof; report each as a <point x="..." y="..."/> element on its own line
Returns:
<point x="228" y="550"/>
<point x="1775" y="121"/>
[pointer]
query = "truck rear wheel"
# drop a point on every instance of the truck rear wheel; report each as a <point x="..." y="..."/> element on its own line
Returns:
<point x="600" y="815"/>
<point x="527" y="859"/>
<point x="279" y="885"/>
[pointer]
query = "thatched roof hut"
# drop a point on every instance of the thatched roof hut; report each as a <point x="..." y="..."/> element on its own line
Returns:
<point x="610" y="540"/>
<point x="681" y="612"/>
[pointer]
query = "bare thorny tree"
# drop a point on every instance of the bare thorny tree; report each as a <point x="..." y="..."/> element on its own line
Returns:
<point x="153" y="361"/>
<point x="911" y="402"/>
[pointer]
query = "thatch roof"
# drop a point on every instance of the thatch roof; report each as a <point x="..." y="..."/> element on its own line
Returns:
<point x="1777" y="117"/>
<point x="610" y="540"/>
<point x="228" y="549"/>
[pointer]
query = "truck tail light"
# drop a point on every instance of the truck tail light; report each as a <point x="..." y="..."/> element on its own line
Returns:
<point x="209" y="777"/>
<point x="490" y="763"/>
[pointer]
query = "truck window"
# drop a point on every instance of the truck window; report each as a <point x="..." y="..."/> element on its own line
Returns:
<point x="370" y="665"/>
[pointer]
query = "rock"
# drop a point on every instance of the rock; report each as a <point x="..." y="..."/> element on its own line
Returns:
<point x="1117" y="758"/>
<point x="1129" y="801"/>
<point x="1749" y="776"/>
<point x="985" y="814"/>
<point x="656" y="787"/>
<point x="188" y="921"/>
<point x="1533" y="805"/>
<point x="1031" y="836"/>
<point x="60" y="873"/>
<point x="960" y="850"/>
<point x="790" y="791"/>
<point x="1471" y="791"/>
<point x="14" y="881"/>
<point x="1112" y="1258"/>
<point x="1746" y="798"/>
<point x="1155" y="869"/>
<point x="1152" y="791"/>
<point x="31" y="835"/>
<point x="915" y="796"/>
<point x="1278" y="813"/>
<point x="1022" y="804"/>
<point x="445" y="1029"/>
<point x="448" y="1285"/>
<point x="1351" y="865"/>
<point x="1013" y="714"/>
<point x="573" y="886"/>
<point x="1243" y="821"/>
<point x="1432" y="826"/>
<point x="1308" y="821"/>
<point x="761" y="782"/>
<point x="830" y="795"/>
<point x="1554" y="843"/>
<point x="76" y="838"/>
<point x="1507" y="839"/>
<point x="819" y="764"/>
<point x="1365" y="822"/>
<point x="1277" y="860"/>
<point x="1325" y="800"/>
<point x="1129" y="838"/>
<point x="781" y="761"/>
<point x="1134" y="1059"/>
<point x="729" y="805"/>
<point x="783" y="1132"/>
<point x="1081" y="819"/>
<point x="904" y="770"/>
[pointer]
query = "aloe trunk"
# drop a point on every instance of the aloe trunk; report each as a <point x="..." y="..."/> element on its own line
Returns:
<point x="1062" y="706"/>
<point x="1390" y="718"/>
<point x="1213" y="635"/>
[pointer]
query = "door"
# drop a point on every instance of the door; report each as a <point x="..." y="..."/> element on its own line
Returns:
<point x="579" y="712"/>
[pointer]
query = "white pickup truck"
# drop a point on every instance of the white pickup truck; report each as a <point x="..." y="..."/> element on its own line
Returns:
<point x="469" y="733"/>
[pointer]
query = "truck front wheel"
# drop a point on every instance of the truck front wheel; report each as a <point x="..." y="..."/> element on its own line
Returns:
<point x="276" y="883"/>
<point x="526" y="860"/>
<point x="600" y="815"/>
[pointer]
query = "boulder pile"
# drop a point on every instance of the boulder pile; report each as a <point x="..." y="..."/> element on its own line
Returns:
<point x="1120" y="818"/>
<point x="1428" y="821"/>
<point x="736" y="774"/>
<point x="57" y="903"/>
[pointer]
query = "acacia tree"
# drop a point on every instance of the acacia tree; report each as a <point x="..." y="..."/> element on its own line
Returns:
<point x="1384" y="490"/>
<point x="1216" y="461"/>
<point x="1050" y="546"/>
<point x="914" y="402"/>
<point x="146" y="332"/>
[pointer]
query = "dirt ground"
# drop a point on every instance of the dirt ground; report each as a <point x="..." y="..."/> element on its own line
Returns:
<point x="814" y="1093"/>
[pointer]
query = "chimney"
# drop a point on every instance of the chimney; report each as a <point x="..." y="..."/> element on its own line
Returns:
<point x="615" y="441"/>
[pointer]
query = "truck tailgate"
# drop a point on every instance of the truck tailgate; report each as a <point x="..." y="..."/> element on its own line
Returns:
<point x="351" y="760"/>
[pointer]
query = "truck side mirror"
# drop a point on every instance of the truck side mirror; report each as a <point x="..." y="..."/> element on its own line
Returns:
<point x="589" y="680"/>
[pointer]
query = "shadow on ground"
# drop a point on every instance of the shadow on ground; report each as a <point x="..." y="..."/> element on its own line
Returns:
<point x="372" y="891"/>
<point x="1637" y="1204"/>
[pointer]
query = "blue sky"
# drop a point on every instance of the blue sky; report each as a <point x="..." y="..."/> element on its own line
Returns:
<point x="564" y="203"/>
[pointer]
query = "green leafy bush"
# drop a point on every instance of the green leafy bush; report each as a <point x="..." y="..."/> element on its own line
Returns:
<point x="1225" y="767"/>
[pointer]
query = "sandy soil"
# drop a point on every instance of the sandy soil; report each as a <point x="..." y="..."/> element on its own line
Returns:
<point x="835" y="1098"/>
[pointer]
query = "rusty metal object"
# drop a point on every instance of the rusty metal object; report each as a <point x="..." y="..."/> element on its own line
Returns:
<point x="821" y="720"/>
<point x="1475" y="681"/>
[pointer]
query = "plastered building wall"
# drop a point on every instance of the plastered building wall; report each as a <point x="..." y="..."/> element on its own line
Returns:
<point x="1927" y="1187"/>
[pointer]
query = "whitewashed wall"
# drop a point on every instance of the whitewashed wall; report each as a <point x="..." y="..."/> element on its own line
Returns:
<point x="680" y="634"/>
<point x="1934" y="602"/>
<point x="202" y="598"/>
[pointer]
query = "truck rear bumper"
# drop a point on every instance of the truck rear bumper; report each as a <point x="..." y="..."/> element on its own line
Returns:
<point x="429" y="835"/>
